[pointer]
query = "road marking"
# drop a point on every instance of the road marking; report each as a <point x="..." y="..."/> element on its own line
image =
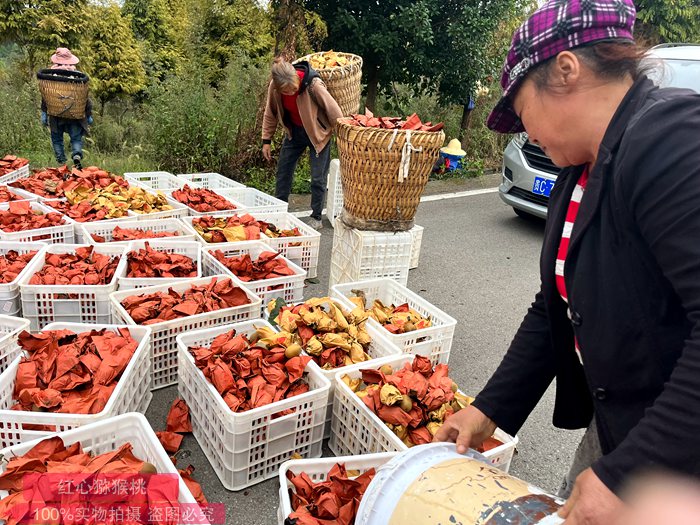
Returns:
<point x="427" y="198"/>
<point x="457" y="194"/>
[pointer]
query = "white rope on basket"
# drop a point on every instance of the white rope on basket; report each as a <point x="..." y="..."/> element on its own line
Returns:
<point x="405" y="154"/>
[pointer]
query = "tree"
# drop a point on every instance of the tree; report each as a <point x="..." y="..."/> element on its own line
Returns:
<point x="226" y="28"/>
<point x="111" y="55"/>
<point x="40" y="26"/>
<point x="390" y="35"/>
<point x="161" y="27"/>
<point x="668" y="21"/>
<point x="471" y="41"/>
<point x="298" y="31"/>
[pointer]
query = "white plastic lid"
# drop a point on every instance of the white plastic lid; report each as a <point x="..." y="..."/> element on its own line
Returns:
<point x="393" y="479"/>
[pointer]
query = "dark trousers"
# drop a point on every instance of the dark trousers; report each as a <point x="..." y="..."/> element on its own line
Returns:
<point x="320" y="162"/>
<point x="75" y="132"/>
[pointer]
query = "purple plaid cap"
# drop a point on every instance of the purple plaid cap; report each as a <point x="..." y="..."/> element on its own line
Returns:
<point x="557" y="26"/>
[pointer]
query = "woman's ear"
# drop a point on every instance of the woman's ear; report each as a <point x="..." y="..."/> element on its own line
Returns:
<point x="567" y="69"/>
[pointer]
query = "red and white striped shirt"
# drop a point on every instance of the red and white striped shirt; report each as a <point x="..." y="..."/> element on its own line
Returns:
<point x="571" y="213"/>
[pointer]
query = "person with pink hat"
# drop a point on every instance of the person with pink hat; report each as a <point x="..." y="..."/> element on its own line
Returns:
<point x="616" y="321"/>
<point x="76" y="129"/>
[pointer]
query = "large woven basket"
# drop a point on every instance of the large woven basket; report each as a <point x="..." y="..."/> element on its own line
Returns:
<point x="374" y="196"/>
<point x="65" y="92"/>
<point x="343" y="82"/>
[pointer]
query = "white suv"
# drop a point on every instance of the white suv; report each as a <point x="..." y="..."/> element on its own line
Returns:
<point x="529" y="175"/>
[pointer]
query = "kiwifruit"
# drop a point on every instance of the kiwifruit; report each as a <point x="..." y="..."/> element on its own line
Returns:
<point x="292" y="350"/>
<point x="148" y="468"/>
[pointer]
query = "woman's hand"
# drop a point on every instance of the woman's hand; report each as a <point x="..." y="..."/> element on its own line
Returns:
<point x="591" y="502"/>
<point x="267" y="154"/>
<point x="467" y="428"/>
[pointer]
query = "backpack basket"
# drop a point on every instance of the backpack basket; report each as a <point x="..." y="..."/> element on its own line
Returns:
<point x="342" y="82"/>
<point x="65" y="92"/>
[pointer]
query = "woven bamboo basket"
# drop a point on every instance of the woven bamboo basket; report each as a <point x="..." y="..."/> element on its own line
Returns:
<point x="65" y="92"/>
<point x="374" y="196"/>
<point x="343" y="82"/>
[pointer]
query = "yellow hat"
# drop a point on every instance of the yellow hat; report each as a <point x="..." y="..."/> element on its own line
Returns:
<point x="453" y="148"/>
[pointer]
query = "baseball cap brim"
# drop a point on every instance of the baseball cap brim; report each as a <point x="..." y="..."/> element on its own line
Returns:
<point x="502" y="118"/>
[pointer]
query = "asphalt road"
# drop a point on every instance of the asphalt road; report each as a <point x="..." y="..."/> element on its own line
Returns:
<point x="479" y="264"/>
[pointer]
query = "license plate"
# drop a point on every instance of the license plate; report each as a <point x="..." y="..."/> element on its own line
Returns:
<point x="542" y="186"/>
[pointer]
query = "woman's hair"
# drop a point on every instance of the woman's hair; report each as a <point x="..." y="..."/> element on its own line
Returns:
<point x="609" y="60"/>
<point x="284" y="74"/>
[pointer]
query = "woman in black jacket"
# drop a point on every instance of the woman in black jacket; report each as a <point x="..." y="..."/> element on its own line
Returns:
<point x="617" y="318"/>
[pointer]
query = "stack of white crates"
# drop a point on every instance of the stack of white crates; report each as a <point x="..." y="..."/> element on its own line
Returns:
<point x="359" y="255"/>
<point x="334" y="207"/>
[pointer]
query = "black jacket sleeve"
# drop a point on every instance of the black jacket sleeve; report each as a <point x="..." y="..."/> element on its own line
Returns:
<point x="524" y="374"/>
<point x="43" y="105"/>
<point x="660" y="185"/>
<point x="88" y="108"/>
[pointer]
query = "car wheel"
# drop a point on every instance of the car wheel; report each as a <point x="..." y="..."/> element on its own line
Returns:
<point x="526" y="216"/>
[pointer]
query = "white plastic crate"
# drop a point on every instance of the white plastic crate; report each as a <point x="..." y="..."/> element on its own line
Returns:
<point x="51" y="234"/>
<point x="212" y="181"/>
<point x="21" y="194"/>
<point x="334" y="199"/>
<point x="187" y="221"/>
<point x="52" y="204"/>
<point x="416" y="240"/>
<point x="379" y="347"/>
<point x="178" y="210"/>
<point x="191" y="249"/>
<point x="289" y="287"/>
<point x="248" y="447"/>
<point x="303" y="250"/>
<point x="109" y="435"/>
<point x="10" y="303"/>
<point x="360" y="254"/>
<point x="132" y="392"/>
<point x="10" y="328"/>
<point x="43" y="304"/>
<point x="19" y="173"/>
<point x="155" y="180"/>
<point x="85" y="231"/>
<point x="433" y="342"/>
<point x="356" y="430"/>
<point x="318" y="469"/>
<point x="227" y="193"/>
<point x="163" y="343"/>
<point x="256" y="201"/>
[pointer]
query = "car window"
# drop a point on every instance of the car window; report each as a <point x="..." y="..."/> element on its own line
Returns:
<point x="677" y="73"/>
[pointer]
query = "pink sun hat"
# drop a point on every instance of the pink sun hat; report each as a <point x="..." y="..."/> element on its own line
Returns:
<point x="63" y="56"/>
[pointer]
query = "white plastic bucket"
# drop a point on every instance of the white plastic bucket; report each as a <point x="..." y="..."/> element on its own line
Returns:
<point x="408" y="489"/>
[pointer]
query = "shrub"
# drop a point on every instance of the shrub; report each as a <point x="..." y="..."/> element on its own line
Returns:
<point x="195" y="127"/>
<point x="20" y="126"/>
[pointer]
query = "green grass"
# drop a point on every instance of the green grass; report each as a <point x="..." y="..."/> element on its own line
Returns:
<point x="113" y="163"/>
<point x="469" y="169"/>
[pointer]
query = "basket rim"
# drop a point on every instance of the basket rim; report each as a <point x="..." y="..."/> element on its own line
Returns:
<point x="356" y="62"/>
<point x="62" y="75"/>
<point x="355" y="58"/>
<point x="343" y="122"/>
